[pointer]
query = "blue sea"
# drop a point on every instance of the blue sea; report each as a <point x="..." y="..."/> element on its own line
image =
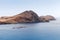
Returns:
<point x="31" y="31"/>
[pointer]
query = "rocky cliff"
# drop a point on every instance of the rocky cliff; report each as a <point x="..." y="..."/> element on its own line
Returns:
<point x="25" y="17"/>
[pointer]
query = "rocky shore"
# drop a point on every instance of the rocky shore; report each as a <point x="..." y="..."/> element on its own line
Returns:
<point x="25" y="17"/>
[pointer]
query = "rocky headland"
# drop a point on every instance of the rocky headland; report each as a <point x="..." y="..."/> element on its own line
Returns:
<point x="25" y="17"/>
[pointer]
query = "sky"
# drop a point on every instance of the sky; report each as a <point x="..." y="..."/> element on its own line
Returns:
<point x="41" y="7"/>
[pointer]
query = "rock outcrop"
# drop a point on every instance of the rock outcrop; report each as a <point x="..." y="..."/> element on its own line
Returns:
<point x="24" y="17"/>
<point x="46" y="18"/>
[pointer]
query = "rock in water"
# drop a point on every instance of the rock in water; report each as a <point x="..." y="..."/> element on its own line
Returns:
<point x="46" y="18"/>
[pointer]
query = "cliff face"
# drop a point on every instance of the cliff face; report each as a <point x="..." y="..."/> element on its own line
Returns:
<point x="24" y="17"/>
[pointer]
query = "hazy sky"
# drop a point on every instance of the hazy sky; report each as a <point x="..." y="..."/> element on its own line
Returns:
<point x="41" y="7"/>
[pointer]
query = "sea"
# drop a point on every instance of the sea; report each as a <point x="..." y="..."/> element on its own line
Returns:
<point x="31" y="31"/>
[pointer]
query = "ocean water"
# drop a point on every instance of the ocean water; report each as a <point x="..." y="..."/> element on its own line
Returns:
<point x="33" y="31"/>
